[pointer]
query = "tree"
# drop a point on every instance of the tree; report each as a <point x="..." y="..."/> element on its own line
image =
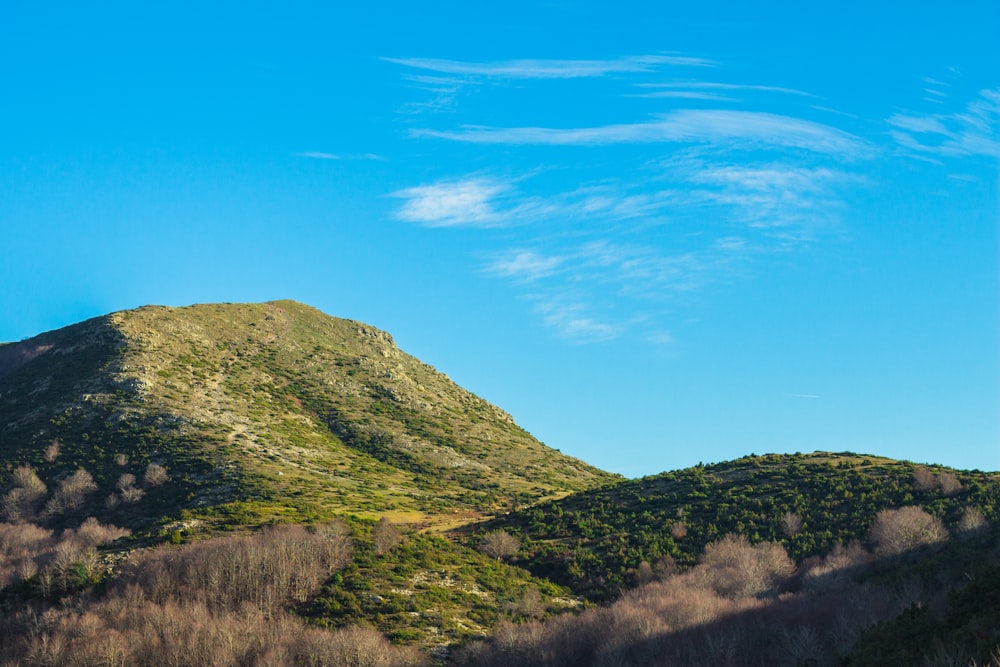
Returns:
<point x="899" y="530"/>
<point x="385" y="536"/>
<point x="156" y="474"/>
<point x="972" y="522"/>
<point x="791" y="523"/>
<point x="923" y="479"/>
<point x="499" y="544"/>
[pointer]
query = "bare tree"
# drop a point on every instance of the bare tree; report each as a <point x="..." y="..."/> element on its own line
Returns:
<point x="734" y="568"/>
<point x="52" y="451"/>
<point x="22" y="502"/>
<point x="791" y="523"/>
<point x="950" y="485"/>
<point x="923" y="478"/>
<point x="678" y="531"/>
<point x="155" y="474"/>
<point x="385" y="536"/>
<point x="899" y="530"/>
<point x="125" y="481"/>
<point x="499" y="544"/>
<point x="972" y="522"/>
<point x="72" y="492"/>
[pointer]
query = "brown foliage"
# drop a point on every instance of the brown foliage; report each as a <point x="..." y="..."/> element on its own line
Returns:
<point x="267" y="571"/>
<point x="23" y="501"/>
<point x="923" y="478"/>
<point x="899" y="530"/>
<point x="385" y="536"/>
<point x="791" y="524"/>
<point x="734" y="568"/>
<point x="155" y="474"/>
<point x="678" y="531"/>
<point x="972" y="522"/>
<point x="499" y="544"/>
<point x="72" y="492"/>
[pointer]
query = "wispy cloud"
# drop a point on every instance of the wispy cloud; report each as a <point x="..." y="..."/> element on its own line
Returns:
<point x="574" y="322"/>
<point x="737" y="128"/>
<point x="524" y="265"/>
<point x="605" y="245"/>
<point x="468" y="202"/>
<point x="320" y="155"/>
<point x="715" y="85"/>
<point x="975" y="131"/>
<point x="551" y="69"/>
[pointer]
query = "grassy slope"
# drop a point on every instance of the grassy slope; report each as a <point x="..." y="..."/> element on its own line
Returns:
<point x="266" y="412"/>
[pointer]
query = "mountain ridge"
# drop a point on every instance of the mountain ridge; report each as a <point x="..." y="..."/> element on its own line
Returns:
<point x="301" y="410"/>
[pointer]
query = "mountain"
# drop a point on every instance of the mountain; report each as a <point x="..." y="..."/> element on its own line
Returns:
<point x="201" y="485"/>
<point x="262" y="412"/>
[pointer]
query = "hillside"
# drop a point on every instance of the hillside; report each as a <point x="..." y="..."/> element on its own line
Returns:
<point x="261" y="412"/>
<point x="595" y="541"/>
<point x="177" y="480"/>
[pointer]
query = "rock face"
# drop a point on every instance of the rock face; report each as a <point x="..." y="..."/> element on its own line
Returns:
<point x="272" y="401"/>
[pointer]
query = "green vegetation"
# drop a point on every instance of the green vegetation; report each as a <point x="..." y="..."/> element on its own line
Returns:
<point x="594" y="541"/>
<point x="182" y="478"/>
<point x="261" y="413"/>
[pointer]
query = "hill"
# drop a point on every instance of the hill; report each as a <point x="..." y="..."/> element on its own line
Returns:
<point x="595" y="541"/>
<point x="261" y="412"/>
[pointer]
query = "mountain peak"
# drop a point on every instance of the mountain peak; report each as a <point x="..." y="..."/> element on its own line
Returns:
<point x="268" y="409"/>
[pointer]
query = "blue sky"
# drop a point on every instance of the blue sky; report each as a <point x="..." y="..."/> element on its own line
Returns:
<point x="655" y="234"/>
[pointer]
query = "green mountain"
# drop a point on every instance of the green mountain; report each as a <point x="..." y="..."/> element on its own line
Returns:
<point x="262" y="412"/>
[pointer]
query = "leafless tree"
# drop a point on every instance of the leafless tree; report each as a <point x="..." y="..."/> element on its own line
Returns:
<point x="499" y="544"/>
<point x="972" y="522"/>
<point x="385" y="536"/>
<point x="125" y="481"/>
<point x="155" y="474"/>
<point x="950" y="485"/>
<point x="72" y="492"/>
<point x="923" y="478"/>
<point x="678" y="531"/>
<point x="898" y="530"/>
<point x="52" y="451"/>
<point x="791" y="523"/>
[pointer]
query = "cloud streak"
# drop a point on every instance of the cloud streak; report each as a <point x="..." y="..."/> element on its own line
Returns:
<point x="973" y="132"/>
<point x="551" y="69"/>
<point x="746" y="129"/>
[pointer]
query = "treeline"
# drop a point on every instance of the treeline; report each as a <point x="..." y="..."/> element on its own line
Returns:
<point x="914" y="598"/>
<point x="595" y="542"/>
<point x="225" y="601"/>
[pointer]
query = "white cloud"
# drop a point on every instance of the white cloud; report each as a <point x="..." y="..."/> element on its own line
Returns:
<point x="736" y="128"/>
<point x="550" y="69"/>
<point x="317" y="155"/>
<point x="525" y="265"/>
<point x="712" y="85"/>
<point x="572" y="321"/>
<point x="450" y="204"/>
<point x="973" y="132"/>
